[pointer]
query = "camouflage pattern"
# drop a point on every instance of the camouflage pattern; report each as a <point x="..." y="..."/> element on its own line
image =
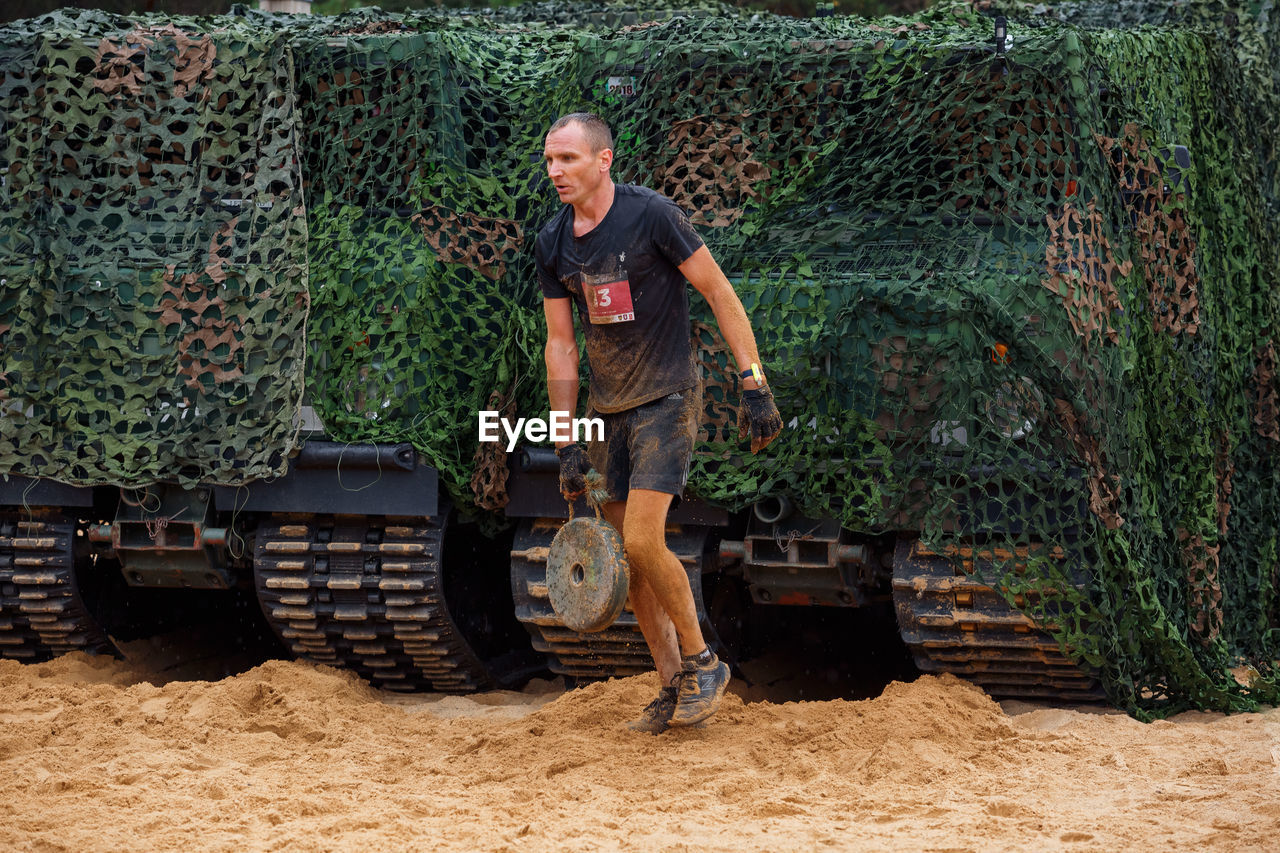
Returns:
<point x="1019" y="302"/>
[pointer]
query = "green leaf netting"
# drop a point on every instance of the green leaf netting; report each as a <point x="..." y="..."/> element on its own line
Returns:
<point x="152" y="251"/>
<point x="422" y="155"/>
<point x="1022" y="305"/>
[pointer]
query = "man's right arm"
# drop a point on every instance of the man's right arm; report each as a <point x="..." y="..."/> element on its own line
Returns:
<point x="561" y="357"/>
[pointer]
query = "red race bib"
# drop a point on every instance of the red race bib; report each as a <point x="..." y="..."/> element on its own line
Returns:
<point x="609" y="301"/>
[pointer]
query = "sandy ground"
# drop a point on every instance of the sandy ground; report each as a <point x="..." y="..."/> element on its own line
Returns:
<point x="97" y="754"/>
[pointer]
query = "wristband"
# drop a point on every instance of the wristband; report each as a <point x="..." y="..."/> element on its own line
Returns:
<point x="754" y="372"/>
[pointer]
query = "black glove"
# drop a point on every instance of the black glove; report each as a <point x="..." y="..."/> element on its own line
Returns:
<point x="759" y="418"/>
<point x="573" y="465"/>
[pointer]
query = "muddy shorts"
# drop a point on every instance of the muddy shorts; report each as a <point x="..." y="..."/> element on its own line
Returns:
<point x="648" y="447"/>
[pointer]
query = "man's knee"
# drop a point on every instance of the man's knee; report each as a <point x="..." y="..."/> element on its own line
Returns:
<point x="645" y="544"/>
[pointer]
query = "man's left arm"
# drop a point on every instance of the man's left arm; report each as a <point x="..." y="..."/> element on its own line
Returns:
<point x="758" y="414"/>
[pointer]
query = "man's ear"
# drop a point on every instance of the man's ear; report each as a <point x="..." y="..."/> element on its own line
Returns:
<point x="606" y="158"/>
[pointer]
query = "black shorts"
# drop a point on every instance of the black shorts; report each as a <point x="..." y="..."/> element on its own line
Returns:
<point x="648" y="447"/>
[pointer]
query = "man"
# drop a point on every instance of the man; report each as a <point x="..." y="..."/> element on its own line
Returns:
<point x="623" y="254"/>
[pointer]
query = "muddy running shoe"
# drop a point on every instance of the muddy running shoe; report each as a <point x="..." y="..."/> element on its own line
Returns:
<point x="702" y="683"/>
<point x="656" y="716"/>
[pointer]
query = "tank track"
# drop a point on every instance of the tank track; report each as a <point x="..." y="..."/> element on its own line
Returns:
<point x="366" y="594"/>
<point x="42" y="614"/>
<point x="955" y="623"/>
<point x="620" y="649"/>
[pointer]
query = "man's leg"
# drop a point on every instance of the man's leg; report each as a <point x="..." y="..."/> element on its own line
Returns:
<point x="660" y="592"/>
<point x="659" y="634"/>
<point x="665" y="598"/>
<point x="659" y="444"/>
<point x="644" y="533"/>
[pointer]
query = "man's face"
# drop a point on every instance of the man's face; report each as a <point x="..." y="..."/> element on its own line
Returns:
<point x="576" y="171"/>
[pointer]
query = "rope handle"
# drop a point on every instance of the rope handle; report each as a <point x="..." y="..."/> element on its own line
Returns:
<point x="597" y="494"/>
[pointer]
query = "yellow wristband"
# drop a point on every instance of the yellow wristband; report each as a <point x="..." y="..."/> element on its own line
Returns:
<point x="755" y="373"/>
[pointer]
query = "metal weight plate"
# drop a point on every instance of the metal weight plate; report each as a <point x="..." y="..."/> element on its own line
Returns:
<point x="587" y="574"/>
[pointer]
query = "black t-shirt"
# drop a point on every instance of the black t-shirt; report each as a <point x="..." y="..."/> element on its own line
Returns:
<point x="632" y="300"/>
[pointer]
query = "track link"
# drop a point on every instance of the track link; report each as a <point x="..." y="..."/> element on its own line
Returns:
<point x="41" y="612"/>
<point x="955" y="623"/>
<point x="366" y="594"/>
<point x="620" y="649"/>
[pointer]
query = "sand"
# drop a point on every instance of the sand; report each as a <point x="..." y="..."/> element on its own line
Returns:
<point x="97" y="754"/>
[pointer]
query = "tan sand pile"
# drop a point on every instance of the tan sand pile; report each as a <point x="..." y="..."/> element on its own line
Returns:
<point x="294" y="757"/>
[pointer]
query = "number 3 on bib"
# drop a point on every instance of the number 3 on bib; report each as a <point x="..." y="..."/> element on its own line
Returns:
<point x="609" y="302"/>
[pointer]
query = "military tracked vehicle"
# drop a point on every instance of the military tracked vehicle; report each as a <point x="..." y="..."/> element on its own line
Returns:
<point x="1026" y="358"/>
<point x="918" y="284"/>
<point x="156" y="311"/>
<point x="939" y="241"/>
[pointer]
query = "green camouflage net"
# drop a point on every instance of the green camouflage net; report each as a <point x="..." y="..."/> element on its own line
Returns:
<point x="153" y="292"/>
<point x="423" y="150"/>
<point x="1023" y="305"/>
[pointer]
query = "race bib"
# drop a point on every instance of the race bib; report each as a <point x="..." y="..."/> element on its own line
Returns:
<point x="609" y="301"/>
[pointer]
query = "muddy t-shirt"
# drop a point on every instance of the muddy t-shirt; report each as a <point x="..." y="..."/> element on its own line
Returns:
<point x="632" y="300"/>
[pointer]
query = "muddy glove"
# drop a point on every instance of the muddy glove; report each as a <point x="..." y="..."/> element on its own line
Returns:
<point x="759" y="418"/>
<point x="573" y="465"/>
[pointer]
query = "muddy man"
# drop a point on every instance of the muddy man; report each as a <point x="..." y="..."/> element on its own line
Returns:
<point x="623" y="254"/>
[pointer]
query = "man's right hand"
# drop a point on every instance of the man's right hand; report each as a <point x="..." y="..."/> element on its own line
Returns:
<point x="573" y="466"/>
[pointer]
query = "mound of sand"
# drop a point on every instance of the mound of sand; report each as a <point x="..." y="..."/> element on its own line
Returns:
<point x="94" y="756"/>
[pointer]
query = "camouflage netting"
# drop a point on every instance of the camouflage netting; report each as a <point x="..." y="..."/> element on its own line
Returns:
<point x="1021" y="303"/>
<point x="153" y="270"/>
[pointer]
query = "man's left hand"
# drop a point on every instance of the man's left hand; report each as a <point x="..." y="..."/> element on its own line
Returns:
<point x="758" y="417"/>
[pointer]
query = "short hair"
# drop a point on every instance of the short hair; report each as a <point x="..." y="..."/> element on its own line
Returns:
<point x="597" y="131"/>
